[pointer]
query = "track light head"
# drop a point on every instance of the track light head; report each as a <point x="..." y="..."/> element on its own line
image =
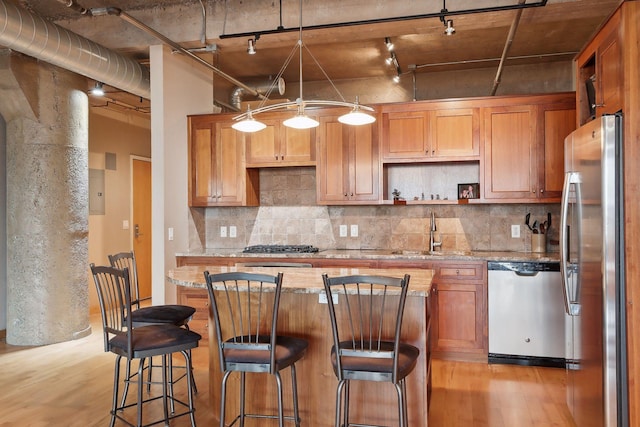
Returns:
<point x="448" y="27"/>
<point x="387" y="42"/>
<point x="251" y="46"/>
<point x="98" y="90"/>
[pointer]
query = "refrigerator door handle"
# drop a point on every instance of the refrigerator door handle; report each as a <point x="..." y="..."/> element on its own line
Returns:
<point x="569" y="271"/>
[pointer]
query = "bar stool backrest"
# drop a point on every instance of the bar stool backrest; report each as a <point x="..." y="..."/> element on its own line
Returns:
<point x="366" y="323"/>
<point x="245" y="312"/>
<point x="112" y="285"/>
<point x="127" y="260"/>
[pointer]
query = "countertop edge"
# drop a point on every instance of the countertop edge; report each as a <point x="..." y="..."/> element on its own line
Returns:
<point x="376" y="254"/>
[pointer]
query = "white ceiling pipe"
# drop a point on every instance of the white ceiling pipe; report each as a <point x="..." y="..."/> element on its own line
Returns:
<point x="31" y="35"/>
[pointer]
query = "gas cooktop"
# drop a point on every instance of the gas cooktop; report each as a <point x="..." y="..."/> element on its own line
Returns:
<point x="270" y="249"/>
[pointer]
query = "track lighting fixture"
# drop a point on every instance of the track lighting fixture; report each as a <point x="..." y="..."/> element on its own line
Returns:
<point x="392" y="60"/>
<point x="448" y="23"/>
<point x="97" y="89"/>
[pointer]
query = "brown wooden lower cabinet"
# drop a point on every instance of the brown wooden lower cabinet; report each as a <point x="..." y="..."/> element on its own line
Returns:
<point x="459" y="304"/>
<point x="198" y="299"/>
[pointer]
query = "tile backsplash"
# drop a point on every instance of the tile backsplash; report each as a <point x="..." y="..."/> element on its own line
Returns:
<point x="288" y="215"/>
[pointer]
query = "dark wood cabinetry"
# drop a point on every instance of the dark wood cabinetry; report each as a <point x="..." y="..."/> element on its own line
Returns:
<point x="524" y="149"/>
<point x="217" y="165"/>
<point x="348" y="169"/>
<point x="278" y="145"/>
<point x="459" y="310"/>
<point x="600" y="73"/>
<point x="198" y="299"/>
<point x="441" y="134"/>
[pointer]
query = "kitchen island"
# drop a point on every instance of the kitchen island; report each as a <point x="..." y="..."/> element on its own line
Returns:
<point x="303" y="316"/>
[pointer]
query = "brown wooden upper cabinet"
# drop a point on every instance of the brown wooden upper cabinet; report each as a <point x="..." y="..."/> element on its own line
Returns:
<point x="524" y="150"/>
<point x="217" y="165"/>
<point x="348" y="168"/>
<point x="278" y="145"/>
<point x="600" y="73"/>
<point x="436" y="135"/>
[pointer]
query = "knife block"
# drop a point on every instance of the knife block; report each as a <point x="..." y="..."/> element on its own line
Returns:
<point x="538" y="242"/>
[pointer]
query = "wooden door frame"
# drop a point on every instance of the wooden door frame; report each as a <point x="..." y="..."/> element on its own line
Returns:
<point x="133" y="157"/>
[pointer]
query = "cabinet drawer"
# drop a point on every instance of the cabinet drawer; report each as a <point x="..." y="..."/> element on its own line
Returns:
<point x="457" y="271"/>
<point x="201" y="304"/>
<point x="201" y="327"/>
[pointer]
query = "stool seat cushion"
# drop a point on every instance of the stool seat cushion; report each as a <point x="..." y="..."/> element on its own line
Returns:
<point x="407" y="358"/>
<point x="155" y="340"/>
<point x="170" y="314"/>
<point x="288" y="351"/>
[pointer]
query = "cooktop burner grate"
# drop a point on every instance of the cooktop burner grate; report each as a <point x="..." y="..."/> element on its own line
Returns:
<point x="270" y="249"/>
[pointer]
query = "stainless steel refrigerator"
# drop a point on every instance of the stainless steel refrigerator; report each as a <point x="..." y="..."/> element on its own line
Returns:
<point x="592" y="269"/>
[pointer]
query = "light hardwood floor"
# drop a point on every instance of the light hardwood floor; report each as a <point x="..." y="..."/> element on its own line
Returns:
<point x="70" y="384"/>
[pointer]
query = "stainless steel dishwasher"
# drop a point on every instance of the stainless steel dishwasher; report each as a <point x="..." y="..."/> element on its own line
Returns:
<point x="526" y="313"/>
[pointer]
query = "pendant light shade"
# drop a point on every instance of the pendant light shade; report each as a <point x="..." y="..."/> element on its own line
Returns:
<point x="249" y="124"/>
<point x="356" y="117"/>
<point x="301" y="121"/>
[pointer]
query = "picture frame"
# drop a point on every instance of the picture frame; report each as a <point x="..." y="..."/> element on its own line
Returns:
<point x="469" y="191"/>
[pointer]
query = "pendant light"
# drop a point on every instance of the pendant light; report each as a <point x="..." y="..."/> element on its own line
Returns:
<point x="358" y="115"/>
<point x="248" y="124"/>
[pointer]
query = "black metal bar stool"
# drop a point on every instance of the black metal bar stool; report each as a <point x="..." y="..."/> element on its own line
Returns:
<point x="245" y="311"/>
<point x="365" y="325"/>
<point x="125" y="340"/>
<point x="172" y="314"/>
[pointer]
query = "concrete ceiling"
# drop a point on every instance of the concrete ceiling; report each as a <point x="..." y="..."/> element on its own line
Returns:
<point x="554" y="32"/>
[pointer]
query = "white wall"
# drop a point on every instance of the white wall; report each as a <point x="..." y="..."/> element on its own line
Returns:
<point x="179" y="87"/>
<point x="3" y="224"/>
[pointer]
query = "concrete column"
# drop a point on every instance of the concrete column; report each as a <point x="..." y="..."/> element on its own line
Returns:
<point x="47" y="201"/>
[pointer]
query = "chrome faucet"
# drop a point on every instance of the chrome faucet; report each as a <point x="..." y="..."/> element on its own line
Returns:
<point x="432" y="239"/>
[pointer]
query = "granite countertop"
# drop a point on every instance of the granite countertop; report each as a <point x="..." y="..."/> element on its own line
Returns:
<point x="386" y="254"/>
<point x="301" y="280"/>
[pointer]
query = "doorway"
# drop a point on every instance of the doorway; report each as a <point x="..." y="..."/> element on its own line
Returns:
<point x="141" y="221"/>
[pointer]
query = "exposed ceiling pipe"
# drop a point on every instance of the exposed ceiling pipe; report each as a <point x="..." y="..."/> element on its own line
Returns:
<point x="264" y="88"/>
<point x="31" y="35"/>
<point x="130" y="19"/>
<point x="73" y="5"/>
<point x="507" y="47"/>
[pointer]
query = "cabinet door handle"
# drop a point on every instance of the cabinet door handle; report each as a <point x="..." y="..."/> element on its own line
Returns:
<point x="276" y="156"/>
<point x="541" y="190"/>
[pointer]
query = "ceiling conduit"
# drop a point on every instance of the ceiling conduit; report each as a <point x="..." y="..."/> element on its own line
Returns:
<point x="507" y="47"/>
<point x="142" y="26"/>
<point x="31" y="35"/>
